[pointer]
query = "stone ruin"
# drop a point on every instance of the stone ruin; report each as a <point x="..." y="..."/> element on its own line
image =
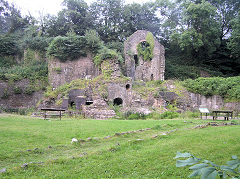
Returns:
<point x="121" y="93"/>
<point x="136" y="67"/>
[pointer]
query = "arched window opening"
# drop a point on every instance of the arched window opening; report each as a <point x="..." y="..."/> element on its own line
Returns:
<point x="136" y="60"/>
<point x="117" y="101"/>
<point x="151" y="77"/>
<point x="127" y="86"/>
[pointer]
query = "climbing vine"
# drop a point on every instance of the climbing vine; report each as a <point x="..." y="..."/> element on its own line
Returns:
<point x="145" y="48"/>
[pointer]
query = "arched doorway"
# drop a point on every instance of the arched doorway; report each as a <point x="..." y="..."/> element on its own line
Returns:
<point x="117" y="101"/>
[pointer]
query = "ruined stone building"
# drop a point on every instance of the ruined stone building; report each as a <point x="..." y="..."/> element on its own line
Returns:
<point x="117" y="93"/>
<point x="138" y="68"/>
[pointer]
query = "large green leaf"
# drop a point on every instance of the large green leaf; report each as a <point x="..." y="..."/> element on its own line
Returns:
<point x="227" y="168"/>
<point x="199" y="166"/>
<point x="196" y="173"/>
<point x="185" y="155"/>
<point x="189" y="161"/>
<point x="209" y="173"/>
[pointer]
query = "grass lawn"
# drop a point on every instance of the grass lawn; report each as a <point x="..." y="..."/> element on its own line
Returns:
<point x="25" y="140"/>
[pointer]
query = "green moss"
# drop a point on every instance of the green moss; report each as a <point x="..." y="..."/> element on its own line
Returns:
<point x="145" y="49"/>
<point x="58" y="70"/>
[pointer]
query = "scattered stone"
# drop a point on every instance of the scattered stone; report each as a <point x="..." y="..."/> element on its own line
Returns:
<point x="117" y="134"/>
<point x="117" y="144"/>
<point x="123" y="133"/>
<point x="36" y="148"/>
<point x="3" y="170"/>
<point x="49" y="146"/>
<point x="89" y="139"/>
<point x="107" y="137"/>
<point x="95" y="138"/>
<point x="81" y="140"/>
<point x="74" y="140"/>
<point x="148" y="129"/>
<point x="25" y="165"/>
<point x="139" y="139"/>
<point x="163" y="133"/>
<point x="29" y="150"/>
<point x="155" y="136"/>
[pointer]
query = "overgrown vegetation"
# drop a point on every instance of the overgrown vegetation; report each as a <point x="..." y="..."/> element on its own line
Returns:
<point x="145" y="49"/>
<point x="228" y="88"/>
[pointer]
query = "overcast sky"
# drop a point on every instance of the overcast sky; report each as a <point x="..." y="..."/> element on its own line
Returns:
<point x="48" y="6"/>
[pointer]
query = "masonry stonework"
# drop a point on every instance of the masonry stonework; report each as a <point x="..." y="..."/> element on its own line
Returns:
<point x="64" y="72"/>
<point x="143" y="70"/>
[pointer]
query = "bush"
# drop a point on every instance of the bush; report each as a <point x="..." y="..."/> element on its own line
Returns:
<point x="8" y="45"/>
<point x="106" y="53"/>
<point x="29" y="90"/>
<point x="17" y="90"/>
<point x="67" y="48"/>
<point x="228" y="88"/>
<point x="37" y="43"/>
<point x="169" y="115"/>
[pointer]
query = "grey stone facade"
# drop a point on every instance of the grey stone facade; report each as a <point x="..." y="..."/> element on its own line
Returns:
<point x="64" y="72"/>
<point x="143" y="70"/>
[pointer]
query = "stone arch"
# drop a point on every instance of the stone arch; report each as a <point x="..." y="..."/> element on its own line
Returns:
<point x="117" y="101"/>
<point x="128" y="86"/>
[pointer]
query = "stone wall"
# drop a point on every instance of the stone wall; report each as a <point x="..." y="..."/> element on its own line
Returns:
<point x="212" y="102"/>
<point x="9" y="99"/>
<point x="64" y="72"/>
<point x="144" y="70"/>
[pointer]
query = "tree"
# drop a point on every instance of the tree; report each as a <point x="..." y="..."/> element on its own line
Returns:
<point x="227" y="10"/>
<point x="234" y="43"/>
<point x="200" y="32"/>
<point x="108" y="18"/>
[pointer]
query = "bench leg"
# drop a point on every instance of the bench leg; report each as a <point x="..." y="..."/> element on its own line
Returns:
<point x="60" y="115"/>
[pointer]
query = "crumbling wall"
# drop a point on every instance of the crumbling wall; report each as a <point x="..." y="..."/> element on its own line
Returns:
<point x="10" y="99"/>
<point x="143" y="70"/>
<point x="64" y="72"/>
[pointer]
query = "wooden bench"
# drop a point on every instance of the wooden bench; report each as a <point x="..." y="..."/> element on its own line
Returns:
<point x="52" y="109"/>
<point x="226" y="117"/>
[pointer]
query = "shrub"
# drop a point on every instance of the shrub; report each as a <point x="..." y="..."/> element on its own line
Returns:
<point x="37" y="43"/>
<point x="17" y="90"/>
<point x="169" y="115"/>
<point x="228" y="88"/>
<point x="106" y="53"/>
<point x="145" y="49"/>
<point x="93" y="41"/>
<point x="8" y="45"/>
<point x="67" y="48"/>
<point x="29" y="90"/>
<point x="5" y="94"/>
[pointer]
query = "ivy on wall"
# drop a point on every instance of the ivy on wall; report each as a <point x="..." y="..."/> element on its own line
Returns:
<point x="145" y="48"/>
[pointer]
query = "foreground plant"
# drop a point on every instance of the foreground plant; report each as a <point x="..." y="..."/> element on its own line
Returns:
<point x="207" y="169"/>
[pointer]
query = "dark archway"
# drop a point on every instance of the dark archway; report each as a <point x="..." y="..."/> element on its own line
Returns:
<point x="136" y="60"/>
<point x="151" y="77"/>
<point x="128" y="86"/>
<point x="117" y="101"/>
<point x="88" y="103"/>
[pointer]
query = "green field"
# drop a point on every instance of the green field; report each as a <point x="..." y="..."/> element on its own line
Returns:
<point x="46" y="147"/>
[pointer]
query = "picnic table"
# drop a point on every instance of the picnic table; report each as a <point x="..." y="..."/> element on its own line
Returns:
<point x="227" y="113"/>
<point x="52" y="109"/>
